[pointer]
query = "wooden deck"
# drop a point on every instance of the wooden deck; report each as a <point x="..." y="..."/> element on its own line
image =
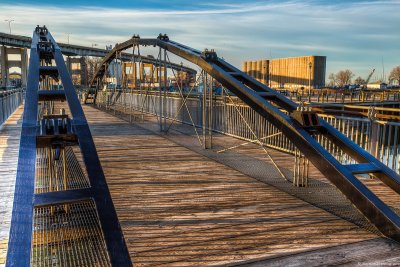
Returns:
<point x="180" y="205"/>
<point x="180" y="208"/>
<point x="10" y="133"/>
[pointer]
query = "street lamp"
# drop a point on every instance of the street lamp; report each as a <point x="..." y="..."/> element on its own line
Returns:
<point x="270" y="74"/>
<point x="180" y="76"/>
<point x="309" y="82"/>
<point x="9" y="23"/>
<point x="265" y="74"/>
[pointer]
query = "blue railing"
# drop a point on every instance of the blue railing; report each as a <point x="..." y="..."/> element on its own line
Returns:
<point x="10" y="100"/>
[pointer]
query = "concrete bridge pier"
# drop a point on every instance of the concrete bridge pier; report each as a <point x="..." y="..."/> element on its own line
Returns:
<point x="19" y="58"/>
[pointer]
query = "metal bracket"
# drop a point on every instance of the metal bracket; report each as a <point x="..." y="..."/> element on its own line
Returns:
<point x="163" y="37"/>
<point x="209" y="55"/>
<point x="307" y="118"/>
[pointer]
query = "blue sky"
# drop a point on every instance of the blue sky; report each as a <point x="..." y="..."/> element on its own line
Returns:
<point x="352" y="34"/>
<point x="158" y="4"/>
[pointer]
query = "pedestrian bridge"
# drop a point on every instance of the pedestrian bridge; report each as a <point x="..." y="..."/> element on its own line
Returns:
<point x="181" y="205"/>
<point x="101" y="185"/>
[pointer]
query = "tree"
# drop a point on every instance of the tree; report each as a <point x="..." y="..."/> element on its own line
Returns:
<point x="332" y="79"/>
<point x="92" y="65"/>
<point x="343" y="77"/>
<point x="359" y="80"/>
<point x="395" y="75"/>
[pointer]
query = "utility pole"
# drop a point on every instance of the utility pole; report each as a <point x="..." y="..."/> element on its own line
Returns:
<point x="9" y="23"/>
<point x="270" y="68"/>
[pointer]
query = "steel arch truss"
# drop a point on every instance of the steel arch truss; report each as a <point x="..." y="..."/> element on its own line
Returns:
<point x="116" y="53"/>
<point x="57" y="134"/>
<point x="301" y="126"/>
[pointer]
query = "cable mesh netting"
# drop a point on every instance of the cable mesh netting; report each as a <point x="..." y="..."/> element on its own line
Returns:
<point x="68" y="235"/>
<point x="76" y="174"/>
<point x="250" y="160"/>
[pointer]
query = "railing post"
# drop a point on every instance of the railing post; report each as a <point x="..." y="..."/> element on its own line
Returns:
<point x="165" y="103"/>
<point x="160" y="103"/>
<point x="2" y="110"/>
<point x="210" y="112"/>
<point x="204" y="110"/>
<point x="301" y="169"/>
<point x="374" y="132"/>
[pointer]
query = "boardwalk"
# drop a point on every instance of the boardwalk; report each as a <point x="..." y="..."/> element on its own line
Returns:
<point x="9" y="144"/>
<point x="180" y="205"/>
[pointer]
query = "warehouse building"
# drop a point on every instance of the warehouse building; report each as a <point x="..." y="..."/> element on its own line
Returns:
<point x="291" y="73"/>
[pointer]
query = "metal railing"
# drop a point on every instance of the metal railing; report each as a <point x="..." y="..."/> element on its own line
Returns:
<point x="380" y="138"/>
<point x="9" y="101"/>
<point x="332" y="96"/>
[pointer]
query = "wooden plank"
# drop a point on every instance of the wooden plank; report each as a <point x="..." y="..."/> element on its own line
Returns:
<point x="10" y="133"/>
<point x="367" y="253"/>
<point x="180" y="208"/>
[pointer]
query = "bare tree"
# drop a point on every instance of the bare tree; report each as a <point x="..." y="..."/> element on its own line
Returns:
<point x="395" y="74"/>
<point x="344" y="77"/>
<point x="332" y="79"/>
<point x="359" y="80"/>
<point x="92" y="65"/>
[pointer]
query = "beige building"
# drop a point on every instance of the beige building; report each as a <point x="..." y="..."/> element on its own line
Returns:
<point x="77" y="68"/>
<point x="292" y="73"/>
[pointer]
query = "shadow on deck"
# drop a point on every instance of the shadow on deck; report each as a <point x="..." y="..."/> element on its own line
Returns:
<point x="180" y="205"/>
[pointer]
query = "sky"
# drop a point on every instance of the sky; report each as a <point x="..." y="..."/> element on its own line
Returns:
<point x="356" y="34"/>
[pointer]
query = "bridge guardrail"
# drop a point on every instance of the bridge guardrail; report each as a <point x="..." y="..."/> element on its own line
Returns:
<point x="380" y="138"/>
<point x="333" y="96"/>
<point x="9" y="101"/>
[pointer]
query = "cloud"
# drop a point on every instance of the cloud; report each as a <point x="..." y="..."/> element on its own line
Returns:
<point x="353" y="35"/>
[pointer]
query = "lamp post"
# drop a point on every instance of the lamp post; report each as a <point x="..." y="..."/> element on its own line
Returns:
<point x="270" y="75"/>
<point x="9" y="23"/>
<point x="309" y="82"/>
<point x="265" y="74"/>
<point x="181" y="76"/>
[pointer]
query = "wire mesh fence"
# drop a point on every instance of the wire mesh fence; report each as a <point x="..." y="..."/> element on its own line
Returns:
<point x="68" y="235"/>
<point x="51" y="176"/>
<point x="333" y="96"/>
<point x="65" y="234"/>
